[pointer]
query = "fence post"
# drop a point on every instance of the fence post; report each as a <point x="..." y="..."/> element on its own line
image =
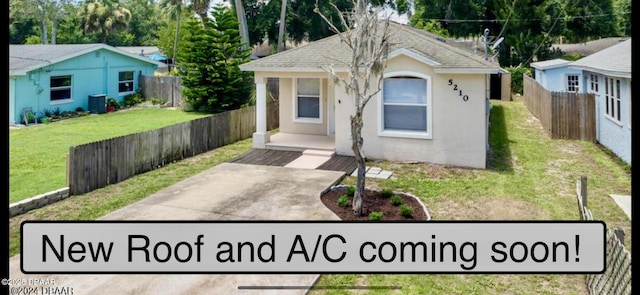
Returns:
<point x="619" y="232"/>
<point x="583" y="190"/>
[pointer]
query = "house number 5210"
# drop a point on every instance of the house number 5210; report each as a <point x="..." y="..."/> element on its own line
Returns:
<point x="455" y="88"/>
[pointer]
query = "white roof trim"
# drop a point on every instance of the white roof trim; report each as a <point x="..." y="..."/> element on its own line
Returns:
<point x="619" y="74"/>
<point x="290" y="69"/>
<point x="24" y="71"/>
<point x="414" y="55"/>
<point x="467" y="70"/>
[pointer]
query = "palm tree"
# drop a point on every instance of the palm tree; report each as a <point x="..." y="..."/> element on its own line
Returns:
<point x="104" y="16"/>
<point x="173" y="9"/>
<point x="283" y="13"/>
<point x="242" y="23"/>
<point x="201" y="8"/>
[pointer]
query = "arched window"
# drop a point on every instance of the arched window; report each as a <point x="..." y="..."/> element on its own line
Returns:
<point x="406" y="105"/>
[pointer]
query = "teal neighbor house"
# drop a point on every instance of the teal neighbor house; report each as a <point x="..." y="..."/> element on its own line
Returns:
<point x="65" y="77"/>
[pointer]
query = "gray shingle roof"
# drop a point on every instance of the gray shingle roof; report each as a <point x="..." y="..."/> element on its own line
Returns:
<point x="317" y="55"/>
<point x="589" y="47"/>
<point x="613" y="61"/>
<point x="25" y="58"/>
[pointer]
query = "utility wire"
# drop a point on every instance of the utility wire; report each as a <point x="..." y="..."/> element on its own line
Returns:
<point x="525" y="19"/>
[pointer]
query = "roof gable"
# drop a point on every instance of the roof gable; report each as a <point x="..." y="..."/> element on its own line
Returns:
<point x="26" y="58"/>
<point x="443" y="54"/>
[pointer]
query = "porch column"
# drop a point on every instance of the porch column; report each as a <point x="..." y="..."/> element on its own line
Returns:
<point x="261" y="136"/>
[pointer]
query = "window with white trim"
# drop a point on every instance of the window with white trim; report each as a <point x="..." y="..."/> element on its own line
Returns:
<point x="612" y="98"/>
<point x="573" y="83"/>
<point x="60" y="88"/>
<point x="308" y="101"/>
<point x="405" y="106"/>
<point x="125" y="82"/>
<point x="593" y="82"/>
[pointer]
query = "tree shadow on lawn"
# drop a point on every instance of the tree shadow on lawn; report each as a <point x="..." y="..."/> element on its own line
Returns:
<point x="499" y="154"/>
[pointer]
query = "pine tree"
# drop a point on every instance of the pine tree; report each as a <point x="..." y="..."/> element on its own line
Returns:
<point x="212" y="80"/>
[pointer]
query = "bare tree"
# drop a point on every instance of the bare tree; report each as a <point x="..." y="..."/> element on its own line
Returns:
<point x="368" y="40"/>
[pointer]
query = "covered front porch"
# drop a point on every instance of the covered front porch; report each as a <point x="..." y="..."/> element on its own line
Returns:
<point x="306" y="112"/>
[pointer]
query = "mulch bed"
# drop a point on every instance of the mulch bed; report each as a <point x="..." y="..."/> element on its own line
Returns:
<point x="373" y="202"/>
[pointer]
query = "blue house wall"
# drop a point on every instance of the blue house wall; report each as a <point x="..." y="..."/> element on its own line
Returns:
<point x="614" y="135"/>
<point x="556" y="79"/>
<point x="96" y="72"/>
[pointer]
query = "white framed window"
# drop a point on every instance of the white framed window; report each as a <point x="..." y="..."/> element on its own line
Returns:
<point x="125" y="82"/>
<point x="573" y="84"/>
<point x="612" y="98"/>
<point x="307" y="104"/>
<point x="593" y="83"/>
<point x="61" y="89"/>
<point x="405" y="105"/>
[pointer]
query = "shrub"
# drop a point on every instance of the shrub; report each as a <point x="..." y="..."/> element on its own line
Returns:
<point x="57" y="112"/>
<point x="31" y="117"/>
<point x="344" y="201"/>
<point x="395" y="200"/>
<point x="351" y="191"/>
<point x="47" y="112"/>
<point x="79" y="109"/>
<point x="387" y="193"/>
<point x="405" y="210"/>
<point x="132" y="99"/>
<point x="112" y="102"/>
<point x="157" y="101"/>
<point x="375" y="216"/>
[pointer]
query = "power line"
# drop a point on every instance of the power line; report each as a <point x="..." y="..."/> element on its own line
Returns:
<point x="523" y="20"/>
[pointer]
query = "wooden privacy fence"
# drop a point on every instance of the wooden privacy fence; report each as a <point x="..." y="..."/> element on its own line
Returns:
<point x="617" y="276"/>
<point x="98" y="164"/>
<point x="169" y="88"/>
<point x="564" y="115"/>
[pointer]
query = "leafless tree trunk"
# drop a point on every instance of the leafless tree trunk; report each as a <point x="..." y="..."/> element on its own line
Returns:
<point x="368" y="40"/>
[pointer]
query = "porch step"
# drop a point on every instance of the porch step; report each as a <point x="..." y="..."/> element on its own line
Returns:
<point x="314" y="152"/>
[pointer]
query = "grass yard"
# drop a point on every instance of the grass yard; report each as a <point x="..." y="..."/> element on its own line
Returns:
<point x="531" y="177"/>
<point x="38" y="154"/>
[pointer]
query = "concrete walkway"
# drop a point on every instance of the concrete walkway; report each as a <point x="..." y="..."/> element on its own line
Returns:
<point x="624" y="202"/>
<point x="228" y="191"/>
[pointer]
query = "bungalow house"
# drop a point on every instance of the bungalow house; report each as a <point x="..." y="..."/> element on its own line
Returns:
<point x="66" y="77"/>
<point x="606" y="74"/>
<point x="433" y="106"/>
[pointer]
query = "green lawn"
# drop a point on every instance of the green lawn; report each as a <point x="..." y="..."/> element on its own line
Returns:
<point x="38" y="154"/>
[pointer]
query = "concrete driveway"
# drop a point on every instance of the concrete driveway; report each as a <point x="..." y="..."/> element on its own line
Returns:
<point x="228" y="191"/>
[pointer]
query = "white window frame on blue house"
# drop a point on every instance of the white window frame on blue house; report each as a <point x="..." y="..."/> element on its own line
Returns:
<point x="383" y="130"/>
<point x="128" y="83"/>
<point x="593" y="83"/>
<point x="65" y="88"/>
<point x="573" y="82"/>
<point x="315" y="94"/>
<point x="612" y="99"/>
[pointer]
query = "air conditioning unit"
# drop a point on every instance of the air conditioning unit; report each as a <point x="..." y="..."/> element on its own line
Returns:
<point x="98" y="103"/>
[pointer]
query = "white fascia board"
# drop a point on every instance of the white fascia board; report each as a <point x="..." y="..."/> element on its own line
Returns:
<point x="467" y="70"/>
<point x="411" y="54"/>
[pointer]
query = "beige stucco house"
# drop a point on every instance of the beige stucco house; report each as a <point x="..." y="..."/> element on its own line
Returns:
<point x="433" y="106"/>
